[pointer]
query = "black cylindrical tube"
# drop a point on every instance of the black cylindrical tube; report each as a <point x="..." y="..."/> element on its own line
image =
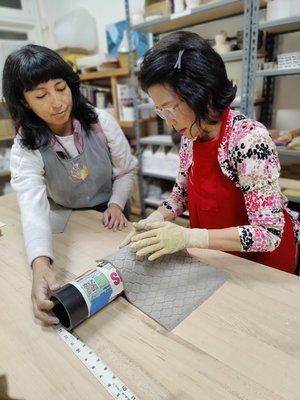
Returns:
<point x="70" y="307"/>
<point x="87" y="294"/>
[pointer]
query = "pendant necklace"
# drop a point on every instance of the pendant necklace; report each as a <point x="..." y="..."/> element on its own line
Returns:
<point x="78" y="171"/>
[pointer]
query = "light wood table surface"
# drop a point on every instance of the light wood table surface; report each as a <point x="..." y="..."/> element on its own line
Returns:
<point x="242" y="343"/>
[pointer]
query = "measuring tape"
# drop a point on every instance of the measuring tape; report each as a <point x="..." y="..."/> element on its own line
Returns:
<point x="96" y="366"/>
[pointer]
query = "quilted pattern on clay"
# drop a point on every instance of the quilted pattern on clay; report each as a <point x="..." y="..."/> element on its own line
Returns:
<point x="169" y="288"/>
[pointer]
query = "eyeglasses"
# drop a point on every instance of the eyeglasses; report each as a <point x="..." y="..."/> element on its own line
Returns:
<point x="167" y="112"/>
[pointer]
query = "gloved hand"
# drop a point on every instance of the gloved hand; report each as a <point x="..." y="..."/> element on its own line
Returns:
<point x="156" y="216"/>
<point x="166" y="238"/>
<point x="294" y="143"/>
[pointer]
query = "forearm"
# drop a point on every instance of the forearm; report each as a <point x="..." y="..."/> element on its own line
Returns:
<point x="121" y="189"/>
<point x="167" y="214"/>
<point x="41" y="261"/>
<point x="36" y="227"/>
<point x="243" y="239"/>
<point x="227" y="239"/>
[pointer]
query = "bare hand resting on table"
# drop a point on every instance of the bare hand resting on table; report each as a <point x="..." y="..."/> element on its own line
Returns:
<point x="113" y="218"/>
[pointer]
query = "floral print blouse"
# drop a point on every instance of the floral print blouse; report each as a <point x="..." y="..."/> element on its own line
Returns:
<point x="248" y="156"/>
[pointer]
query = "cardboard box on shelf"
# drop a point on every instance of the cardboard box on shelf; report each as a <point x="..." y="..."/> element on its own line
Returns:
<point x="6" y="128"/>
<point x="154" y="7"/>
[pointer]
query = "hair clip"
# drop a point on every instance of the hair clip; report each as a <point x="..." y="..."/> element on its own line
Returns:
<point x="178" y="62"/>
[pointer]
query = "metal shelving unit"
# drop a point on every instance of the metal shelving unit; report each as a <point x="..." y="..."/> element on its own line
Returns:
<point x="278" y="72"/>
<point x="212" y="11"/>
<point x="288" y="153"/>
<point x="283" y="25"/>
<point x="273" y="29"/>
<point x="232" y="56"/>
<point x="204" y="13"/>
<point x="158" y="175"/>
<point x="236" y="56"/>
<point x="157" y="140"/>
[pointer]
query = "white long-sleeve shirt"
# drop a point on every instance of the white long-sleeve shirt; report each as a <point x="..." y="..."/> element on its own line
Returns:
<point x="28" y="180"/>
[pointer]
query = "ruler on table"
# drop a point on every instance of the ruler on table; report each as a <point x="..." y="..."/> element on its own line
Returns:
<point x="115" y="387"/>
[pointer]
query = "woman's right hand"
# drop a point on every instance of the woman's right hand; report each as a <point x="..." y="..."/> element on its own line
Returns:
<point x="43" y="283"/>
<point x="156" y="216"/>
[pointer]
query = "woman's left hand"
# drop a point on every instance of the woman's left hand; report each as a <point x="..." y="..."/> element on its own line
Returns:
<point x="166" y="238"/>
<point x="113" y="218"/>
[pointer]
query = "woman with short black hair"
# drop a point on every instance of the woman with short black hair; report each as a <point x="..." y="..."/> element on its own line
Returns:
<point x="229" y="169"/>
<point x="66" y="153"/>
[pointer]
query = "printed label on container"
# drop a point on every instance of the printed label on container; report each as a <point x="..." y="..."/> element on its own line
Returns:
<point x="99" y="286"/>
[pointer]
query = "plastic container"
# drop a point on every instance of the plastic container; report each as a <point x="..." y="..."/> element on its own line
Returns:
<point x="87" y="294"/>
<point x="147" y="157"/>
<point x="172" y="161"/>
<point x="158" y="162"/>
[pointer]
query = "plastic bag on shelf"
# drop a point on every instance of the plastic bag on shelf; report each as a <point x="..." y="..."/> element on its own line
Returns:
<point x="76" y="29"/>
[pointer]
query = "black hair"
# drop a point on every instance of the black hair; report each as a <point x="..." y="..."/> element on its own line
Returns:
<point x="26" y="68"/>
<point x="201" y="81"/>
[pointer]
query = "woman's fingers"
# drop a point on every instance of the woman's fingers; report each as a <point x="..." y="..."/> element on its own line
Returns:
<point x="111" y="221"/>
<point x="123" y="223"/>
<point x="41" y="310"/>
<point x="157" y="254"/>
<point x="44" y="316"/>
<point x="144" y="243"/>
<point x="127" y="239"/>
<point x="155" y="225"/>
<point x="144" y="235"/>
<point x="116" y="223"/>
<point x="105" y="218"/>
<point x="149" y="249"/>
<point x="45" y="305"/>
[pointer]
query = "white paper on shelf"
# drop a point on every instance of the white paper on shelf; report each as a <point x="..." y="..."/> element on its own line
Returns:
<point x="181" y="14"/>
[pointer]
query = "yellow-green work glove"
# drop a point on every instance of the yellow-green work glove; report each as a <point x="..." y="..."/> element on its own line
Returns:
<point x="166" y="238"/>
<point x="141" y="226"/>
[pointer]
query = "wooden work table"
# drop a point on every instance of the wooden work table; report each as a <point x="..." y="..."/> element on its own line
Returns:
<point x="242" y="343"/>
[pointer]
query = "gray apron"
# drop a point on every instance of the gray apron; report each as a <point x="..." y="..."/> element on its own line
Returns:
<point x="69" y="192"/>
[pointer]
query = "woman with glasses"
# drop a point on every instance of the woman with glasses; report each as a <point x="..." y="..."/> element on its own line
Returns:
<point x="228" y="177"/>
<point x="66" y="155"/>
